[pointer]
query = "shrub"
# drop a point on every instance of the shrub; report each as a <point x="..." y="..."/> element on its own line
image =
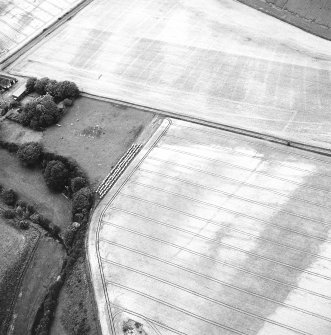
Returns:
<point x="40" y="113"/>
<point x="4" y="106"/>
<point x="67" y="102"/>
<point x="77" y="183"/>
<point x="21" y="203"/>
<point x="44" y="222"/>
<point x="35" y="218"/>
<point x="9" y="197"/>
<point x="55" y="230"/>
<point x="14" y="104"/>
<point x="56" y="175"/>
<point x="30" y="84"/>
<point x="30" y="209"/>
<point x="40" y="85"/>
<point x="24" y="224"/>
<point x="82" y="199"/>
<point x="78" y="217"/>
<point x="9" y="214"/>
<point x="68" y="237"/>
<point x="46" y="111"/>
<point x="19" y="211"/>
<point x="51" y="87"/>
<point x="29" y="154"/>
<point x="12" y="147"/>
<point x="66" y="89"/>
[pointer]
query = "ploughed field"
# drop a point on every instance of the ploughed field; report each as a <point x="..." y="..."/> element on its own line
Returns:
<point x="13" y="243"/>
<point x="209" y="232"/>
<point x="21" y="20"/>
<point x="202" y="58"/>
<point x="15" y="250"/>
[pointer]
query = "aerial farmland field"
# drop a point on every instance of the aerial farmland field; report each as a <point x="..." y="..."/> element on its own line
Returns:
<point x="15" y="249"/>
<point x="13" y="245"/>
<point x="200" y="226"/>
<point x="206" y="59"/>
<point x="21" y="20"/>
<point x="209" y="232"/>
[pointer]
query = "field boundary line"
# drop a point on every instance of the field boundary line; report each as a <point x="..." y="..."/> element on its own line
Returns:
<point x="104" y="305"/>
<point x="304" y="146"/>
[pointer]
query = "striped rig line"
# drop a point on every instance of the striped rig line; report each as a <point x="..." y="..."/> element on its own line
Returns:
<point x="118" y="169"/>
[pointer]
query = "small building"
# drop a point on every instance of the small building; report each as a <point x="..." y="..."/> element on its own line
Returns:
<point x="6" y="82"/>
<point x="19" y="92"/>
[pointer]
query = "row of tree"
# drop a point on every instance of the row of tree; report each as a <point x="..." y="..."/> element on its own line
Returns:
<point x="40" y="113"/>
<point x="61" y="175"/>
<point x="59" y="172"/>
<point x="59" y="90"/>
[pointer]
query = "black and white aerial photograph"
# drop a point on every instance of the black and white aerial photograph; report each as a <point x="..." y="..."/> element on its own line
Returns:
<point x="165" y="167"/>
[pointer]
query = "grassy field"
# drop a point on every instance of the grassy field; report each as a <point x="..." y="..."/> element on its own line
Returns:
<point x="76" y="304"/>
<point x="96" y="134"/>
<point x="41" y="273"/>
<point x="31" y="187"/>
<point x="13" y="244"/>
<point x="15" y="249"/>
<point x="47" y="261"/>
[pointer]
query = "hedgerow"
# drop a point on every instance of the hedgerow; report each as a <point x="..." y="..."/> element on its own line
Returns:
<point x="9" y="197"/>
<point x="59" y="90"/>
<point x="29" y="153"/>
<point x="61" y="174"/>
<point x="40" y="113"/>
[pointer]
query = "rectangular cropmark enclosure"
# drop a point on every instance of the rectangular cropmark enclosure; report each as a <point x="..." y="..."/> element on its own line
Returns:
<point x="210" y="232"/>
